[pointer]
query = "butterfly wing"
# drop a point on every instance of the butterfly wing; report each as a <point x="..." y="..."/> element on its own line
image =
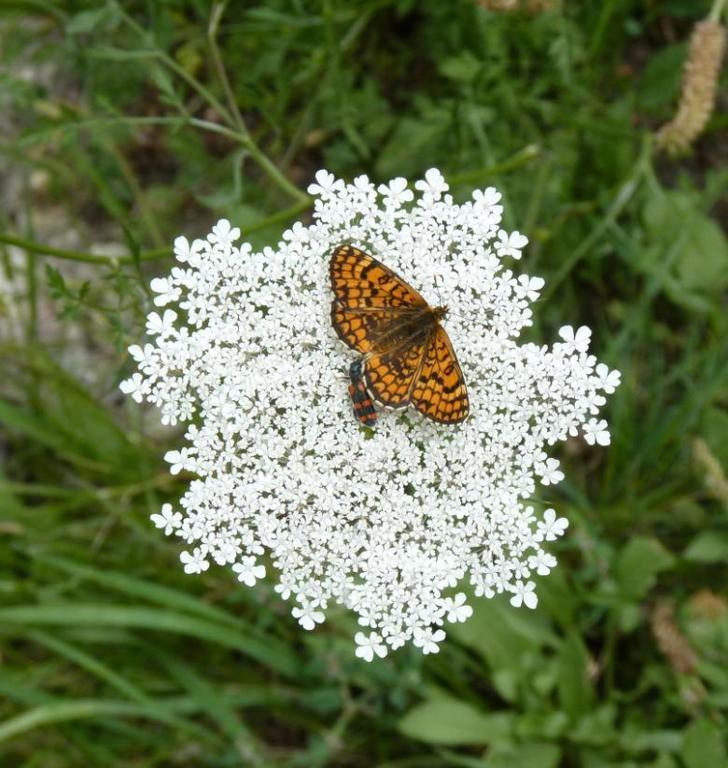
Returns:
<point x="369" y="298"/>
<point x="391" y="376"/>
<point x="360" y="328"/>
<point x="360" y="282"/>
<point x="439" y="392"/>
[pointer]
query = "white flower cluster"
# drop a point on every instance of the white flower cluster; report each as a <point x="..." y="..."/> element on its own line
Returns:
<point x="389" y="522"/>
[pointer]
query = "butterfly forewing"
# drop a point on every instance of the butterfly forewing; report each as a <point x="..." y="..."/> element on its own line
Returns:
<point x="360" y="281"/>
<point x="359" y="328"/>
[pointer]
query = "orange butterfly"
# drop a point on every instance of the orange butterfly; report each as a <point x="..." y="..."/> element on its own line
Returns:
<point x="408" y="356"/>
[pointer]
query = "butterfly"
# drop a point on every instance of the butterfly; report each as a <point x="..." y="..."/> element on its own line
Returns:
<point x="408" y="357"/>
<point x="363" y="406"/>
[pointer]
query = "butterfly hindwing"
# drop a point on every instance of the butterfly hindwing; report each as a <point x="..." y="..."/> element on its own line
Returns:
<point x="440" y="392"/>
<point x="391" y="376"/>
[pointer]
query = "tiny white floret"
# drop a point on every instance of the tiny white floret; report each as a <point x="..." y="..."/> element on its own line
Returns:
<point x="369" y="645"/>
<point x="524" y="595"/>
<point x="195" y="562"/>
<point x="249" y="571"/>
<point x="597" y="432"/>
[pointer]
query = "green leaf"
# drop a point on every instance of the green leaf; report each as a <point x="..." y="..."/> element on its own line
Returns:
<point x="660" y="80"/>
<point x="73" y="423"/>
<point x="557" y="599"/>
<point x="90" y="21"/>
<point x="162" y="78"/>
<point x="462" y="68"/>
<point x="575" y="688"/>
<point x="450" y="721"/>
<point x="703" y="746"/>
<point x="629" y="617"/>
<point x="714" y="428"/>
<point x="502" y="633"/>
<point x="146" y="590"/>
<point x="663" y="760"/>
<point x="597" y="727"/>
<point x="539" y="755"/>
<point x="640" y="739"/>
<point x="56" y="283"/>
<point x="412" y="139"/>
<point x="34" y="427"/>
<point x="93" y="665"/>
<point x="708" y="547"/>
<point x="215" y="706"/>
<point x="507" y="638"/>
<point x="10" y="504"/>
<point x="638" y="565"/>
<point x="690" y="252"/>
<point x="703" y="265"/>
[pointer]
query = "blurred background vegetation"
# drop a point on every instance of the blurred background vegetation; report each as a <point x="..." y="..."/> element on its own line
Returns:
<point x="125" y="124"/>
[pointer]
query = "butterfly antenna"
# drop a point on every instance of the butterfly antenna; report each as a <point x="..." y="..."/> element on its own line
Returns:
<point x="439" y="297"/>
<point x="437" y="288"/>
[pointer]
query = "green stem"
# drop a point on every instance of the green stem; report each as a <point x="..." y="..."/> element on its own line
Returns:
<point x="87" y="710"/>
<point x="610" y="647"/>
<point x="266" y="164"/>
<point x="273" y="172"/>
<point x="32" y="282"/>
<point x="285" y="215"/>
<point x="42" y="6"/>
<point x="215" y="17"/>
<point x="239" y="134"/>
<point x="623" y="196"/>
<point x="522" y="157"/>
<point x="195" y="84"/>
<point x="91" y="122"/>
<point x="105" y="492"/>
<point x="268" y="167"/>
<point x="717" y="10"/>
<point x="139" y="194"/>
<point x="152" y="255"/>
<point x="89" y="258"/>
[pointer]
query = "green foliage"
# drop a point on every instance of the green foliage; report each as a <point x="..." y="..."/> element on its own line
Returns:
<point x="450" y="721"/>
<point x="127" y="123"/>
<point x="638" y="566"/>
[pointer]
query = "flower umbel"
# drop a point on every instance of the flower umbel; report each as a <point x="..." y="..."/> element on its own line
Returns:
<point x="385" y="523"/>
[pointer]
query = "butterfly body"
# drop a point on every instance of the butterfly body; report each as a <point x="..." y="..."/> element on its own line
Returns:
<point x="360" y="400"/>
<point x="408" y="357"/>
<point x="414" y="327"/>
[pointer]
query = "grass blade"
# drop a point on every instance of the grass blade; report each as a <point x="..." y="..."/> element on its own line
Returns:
<point x="135" y="587"/>
<point x="269" y="652"/>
